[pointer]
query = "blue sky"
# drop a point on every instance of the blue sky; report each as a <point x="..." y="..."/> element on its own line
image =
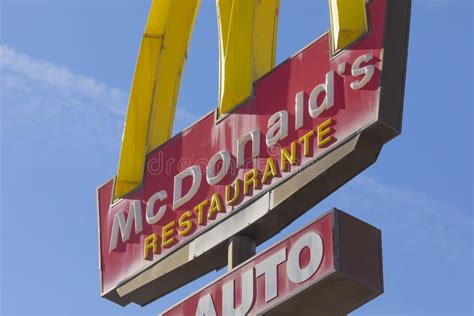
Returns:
<point x="65" y="72"/>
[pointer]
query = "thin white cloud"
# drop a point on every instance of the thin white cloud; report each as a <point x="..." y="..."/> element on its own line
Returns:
<point x="35" y="91"/>
<point x="40" y="92"/>
<point x="418" y="217"/>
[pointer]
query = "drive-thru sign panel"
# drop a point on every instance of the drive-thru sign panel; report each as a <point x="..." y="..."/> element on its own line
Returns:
<point x="330" y="267"/>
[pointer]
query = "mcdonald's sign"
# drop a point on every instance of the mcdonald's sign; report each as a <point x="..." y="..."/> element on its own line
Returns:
<point x="281" y="139"/>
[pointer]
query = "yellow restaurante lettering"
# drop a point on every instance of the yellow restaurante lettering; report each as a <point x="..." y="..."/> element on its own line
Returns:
<point x="253" y="180"/>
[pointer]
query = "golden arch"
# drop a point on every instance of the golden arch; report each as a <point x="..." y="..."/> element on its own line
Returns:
<point x="247" y="45"/>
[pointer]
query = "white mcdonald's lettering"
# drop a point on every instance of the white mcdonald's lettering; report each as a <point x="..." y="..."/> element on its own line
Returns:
<point x="125" y="226"/>
<point x="267" y="269"/>
<point x="277" y="131"/>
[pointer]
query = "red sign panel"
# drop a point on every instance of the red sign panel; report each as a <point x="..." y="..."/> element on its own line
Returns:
<point x="310" y="262"/>
<point x="304" y="109"/>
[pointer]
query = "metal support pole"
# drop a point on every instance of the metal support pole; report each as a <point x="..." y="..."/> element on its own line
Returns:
<point x="240" y="248"/>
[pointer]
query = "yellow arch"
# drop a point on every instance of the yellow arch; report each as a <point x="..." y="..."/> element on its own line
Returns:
<point x="154" y="92"/>
<point x="247" y="47"/>
<point x="247" y="50"/>
<point x="348" y="22"/>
